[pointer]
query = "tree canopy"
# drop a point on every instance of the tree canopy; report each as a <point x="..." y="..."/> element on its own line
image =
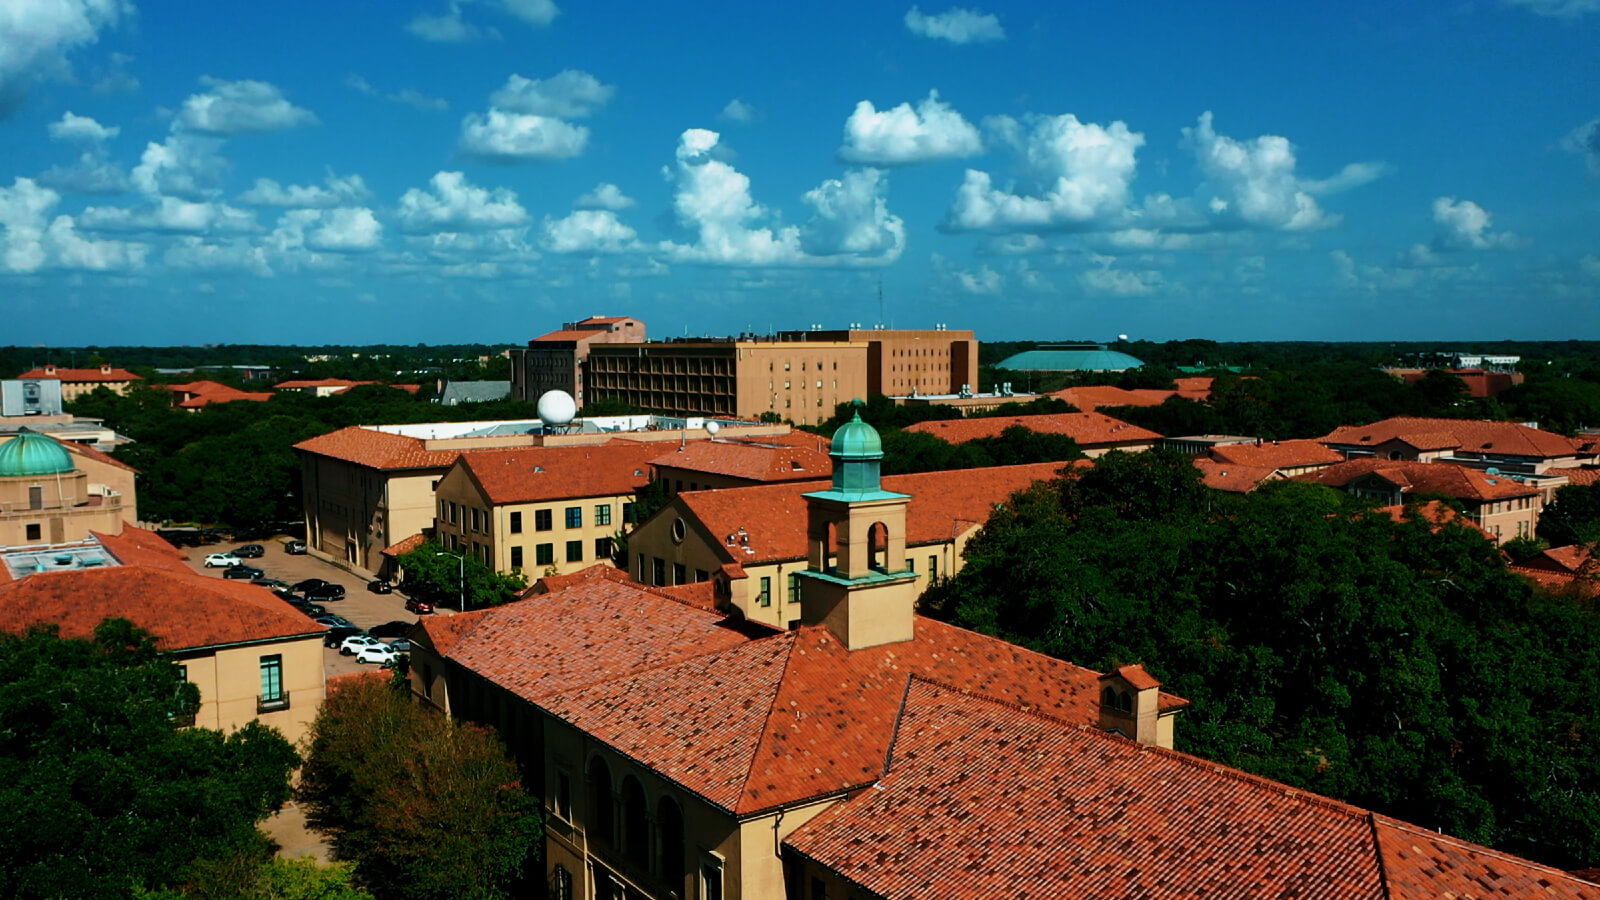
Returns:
<point x="423" y="806"/>
<point x="442" y="574"/>
<point x="1391" y="664"/>
<point x="102" y="791"/>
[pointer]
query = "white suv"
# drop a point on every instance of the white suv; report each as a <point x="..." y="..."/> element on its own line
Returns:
<point x="223" y="559"/>
<point x="355" y="643"/>
<point x="383" y="655"/>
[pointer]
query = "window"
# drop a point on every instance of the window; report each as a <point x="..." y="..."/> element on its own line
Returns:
<point x="641" y="567"/>
<point x="477" y="520"/>
<point x="273" y="696"/>
<point x="794" y="588"/>
<point x="544" y="554"/>
<point x="602" y="514"/>
<point x="765" y="597"/>
<point x="574" y="517"/>
<point x="542" y="520"/>
<point x="819" y="889"/>
<point x="680" y="575"/>
<point x="701" y="575"/>
<point x="516" y="523"/>
<point x="35" y="496"/>
<point x="454" y="518"/>
<point x="563" y="795"/>
<point x="710" y="878"/>
<point x="658" y="571"/>
<point x="561" y="883"/>
<point x="574" y="551"/>
<point x="911" y="564"/>
<point x="627" y="512"/>
<point x="933" y="569"/>
<point x="34" y="531"/>
<point x="516" y="557"/>
<point x="602" y="548"/>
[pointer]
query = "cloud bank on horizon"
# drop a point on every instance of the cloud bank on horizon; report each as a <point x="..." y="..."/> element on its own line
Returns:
<point x="1024" y="171"/>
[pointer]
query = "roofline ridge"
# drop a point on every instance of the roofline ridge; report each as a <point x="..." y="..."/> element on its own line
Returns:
<point x="766" y="721"/>
<point x="1412" y="827"/>
<point x="983" y="698"/>
<point x="1377" y="856"/>
<point x="1278" y="787"/>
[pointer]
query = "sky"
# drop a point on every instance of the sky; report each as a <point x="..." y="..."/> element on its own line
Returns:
<point x="390" y="171"/>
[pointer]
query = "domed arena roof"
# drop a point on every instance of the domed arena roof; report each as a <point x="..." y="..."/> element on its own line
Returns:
<point x="1079" y="358"/>
<point x="856" y="439"/>
<point x="31" y="453"/>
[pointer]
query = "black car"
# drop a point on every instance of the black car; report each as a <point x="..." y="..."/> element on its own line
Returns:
<point x="250" y="551"/>
<point x="273" y="583"/>
<point x="393" y="629"/>
<point x="326" y="592"/>
<point x="308" y="584"/>
<point x="295" y="548"/>
<point x="336" y="635"/>
<point x="242" y="571"/>
<point x="379" y="586"/>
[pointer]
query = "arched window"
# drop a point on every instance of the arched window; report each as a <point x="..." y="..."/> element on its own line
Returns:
<point x="878" y="547"/>
<point x="1108" y="697"/>
<point x="635" y="825"/>
<point x="830" y="557"/>
<point x="669" y="826"/>
<point x="602" y="812"/>
<point x="1124" y="702"/>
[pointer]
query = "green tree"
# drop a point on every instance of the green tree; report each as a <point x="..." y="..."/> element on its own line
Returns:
<point x="423" y="806"/>
<point x="1573" y="517"/>
<point x="447" y="573"/>
<point x="101" y="789"/>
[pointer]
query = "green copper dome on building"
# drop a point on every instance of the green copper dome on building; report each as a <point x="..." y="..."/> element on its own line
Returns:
<point x="857" y="453"/>
<point x="856" y="439"/>
<point x="31" y="453"/>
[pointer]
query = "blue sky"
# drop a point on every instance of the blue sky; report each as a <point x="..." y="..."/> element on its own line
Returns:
<point x="482" y="171"/>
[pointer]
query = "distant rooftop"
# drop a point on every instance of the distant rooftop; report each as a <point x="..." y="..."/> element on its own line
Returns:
<point x="88" y="553"/>
<point x="591" y="425"/>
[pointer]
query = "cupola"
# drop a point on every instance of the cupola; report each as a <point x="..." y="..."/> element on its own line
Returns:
<point x="857" y="454"/>
<point x="33" y="454"/>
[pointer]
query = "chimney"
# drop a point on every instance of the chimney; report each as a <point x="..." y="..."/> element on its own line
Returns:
<point x="50" y="370"/>
<point x="1130" y="706"/>
<point x="105" y="368"/>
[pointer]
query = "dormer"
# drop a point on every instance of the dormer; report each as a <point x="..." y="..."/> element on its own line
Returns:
<point x="1130" y="705"/>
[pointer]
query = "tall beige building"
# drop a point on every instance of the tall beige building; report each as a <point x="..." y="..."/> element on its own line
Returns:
<point x="556" y="361"/>
<point x="903" y="361"/>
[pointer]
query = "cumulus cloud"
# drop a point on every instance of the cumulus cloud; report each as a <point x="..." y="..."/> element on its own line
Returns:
<point x="507" y="137"/>
<point x="1252" y="184"/>
<point x="184" y="165"/>
<point x="345" y="230"/>
<point x="1464" y="225"/>
<point x="849" y="224"/>
<point x="1585" y="140"/>
<point x="984" y="282"/>
<point x="588" y="231"/>
<point x="1105" y="279"/>
<point x="193" y="252"/>
<point x="570" y="94"/>
<point x="903" y="135"/>
<point x="1561" y="9"/>
<point x="452" y="27"/>
<point x="605" y="196"/>
<point x="169" y="214"/>
<point x="240" y="107"/>
<point x="956" y="25"/>
<point x="534" y="12"/>
<point x="454" y="204"/>
<point x="31" y="240"/>
<point x="407" y="96"/>
<point x="338" y="191"/>
<point x="738" y="111"/>
<point x="93" y="173"/>
<point x="1071" y="174"/>
<point x="35" y="39"/>
<point x="81" y="129"/>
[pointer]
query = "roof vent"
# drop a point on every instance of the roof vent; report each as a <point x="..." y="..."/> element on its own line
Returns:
<point x="538" y="468"/>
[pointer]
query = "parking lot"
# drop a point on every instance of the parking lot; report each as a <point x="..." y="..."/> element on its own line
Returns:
<point x="359" y="605"/>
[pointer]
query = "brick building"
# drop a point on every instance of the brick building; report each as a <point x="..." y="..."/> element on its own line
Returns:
<point x="556" y="361"/>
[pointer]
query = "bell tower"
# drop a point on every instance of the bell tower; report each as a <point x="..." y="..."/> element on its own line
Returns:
<point x="856" y="582"/>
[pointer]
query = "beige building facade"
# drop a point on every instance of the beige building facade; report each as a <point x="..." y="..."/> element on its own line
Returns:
<point x="50" y="493"/>
<point x="77" y="382"/>
<point x="556" y="361"/>
<point x="903" y="361"/>
<point x="280" y="682"/>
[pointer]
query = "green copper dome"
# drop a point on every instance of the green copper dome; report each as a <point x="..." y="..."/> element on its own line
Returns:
<point x="31" y="453"/>
<point x="856" y="439"/>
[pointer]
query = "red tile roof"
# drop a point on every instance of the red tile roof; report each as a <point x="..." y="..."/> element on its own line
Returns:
<point x="320" y="382"/>
<point x="1091" y="397"/>
<point x="1089" y="429"/>
<point x="1579" y="476"/>
<point x="81" y="375"/>
<point x="1230" y="477"/>
<point x="527" y="474"/>
<point x="1276" y="454"/>
<point x="405" y="545"/>
<point x="378" y="449"/>
<point x="1433" y="512"/>
<point x="1196" y="388"/>
<point x="205" y="393"/>
<point x="605" y="571"/>
<point x="1424" y="478"/>
<point x="943" y="505"/>
<point x="1573" y="558"/>
<point x="603" y="320"/>
<point x="89" y="452"/>
<point x="753" y="461"/>
<point x="569" y="335"/>
<point x="182" y="609"/>
<point x="983" y="799"/>
<point x="1467" y="435"/>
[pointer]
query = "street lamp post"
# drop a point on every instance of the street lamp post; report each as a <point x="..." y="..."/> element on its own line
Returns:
<point x="461" y="577"/>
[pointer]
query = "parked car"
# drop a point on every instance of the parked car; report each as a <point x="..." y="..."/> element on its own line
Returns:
<point x="336" y="636"/>
<point x="250" y="551"/>
<point x="394" y="629"/>
<point x="242" y="571"/>
<point x="356" y="642"/>
<point x="273" y="583"/>
<point x="382" y="654"/>
<point x="402" y="645"/>
<point x="326" y="592"/>
<point x="379" y="586"/>
<point x="223" y="559"/>
<point x="308" y="584"/>
<point x="294" y="548"/>
<point x="333" y="621"/>
<point x="418" y="605"/>
<point x="312" y="609"/>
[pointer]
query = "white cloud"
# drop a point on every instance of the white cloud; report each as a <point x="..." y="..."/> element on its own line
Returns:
<point x="339" y="191"/>
<point x="1585" y="140"/>
<point x="1590" y="266"/>
<point x="509" y="137"/>
<point x="35" y="38"/>
<point x="956" y="25"/>
<point x="851" y="216"/>
<point x="82" y="129"/>
<point x="588" y="231"/>
<point x="454" y="204"/>
<point x="170" y="214"/>
<point x="1351" y="176"/>
<point x="407" y="96"/>
<point x="1103" y="279"/>
<point x="1561" y="9"/>
<point x="1252" y="184"/>
<point x="346" y="230"/>
<point x="448" y="28"/>
<point x="184" y="165"/>
<point x="605" y="196"/>
<point x="114" y="78"/>
<point x="570" y="94"/>
<point x="903" y="135"/>
<point x="191" y="252"/>
<point x="984" y="282"/>
<point x="849" y="224"/>
<point x="28" y="243"/>
<point x="1464" y="225"/>
<point x="1074" y="175"/>
<point x="240" y="107"/>
<point x="534" y="12"/>
<point x="738" y="111"/>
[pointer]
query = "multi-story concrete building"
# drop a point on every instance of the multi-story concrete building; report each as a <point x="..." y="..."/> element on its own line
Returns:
<point x="904" y="361"/>
<point x="556" y="361"/>
<point x="77" y="382"/>
<point x="1505" y="507"/>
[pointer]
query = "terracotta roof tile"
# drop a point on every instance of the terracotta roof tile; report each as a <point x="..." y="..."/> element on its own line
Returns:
<point x="1276" y="454"/>
<point x="1091" y="397"/>
<point x="1135" y="676"/>
<point x="943" y="505"/>
<point x="754" y="461"/>
<point x="1579" y="476"/>
<point x="405" y="545"/>
<point x="378" y="449"/>
<point x="1231" y="477"/>
<point x="569" y="335"/>
<point x="1435" y="513"/>
<point x="205" y="393"/>
<point x="81" y="375"/>
<point x="701" y="594"/>
<point x="525" y="474"/>
<point x="1196" y="388"/>
<point x="1422" y="865"/>
<point x="1425" y="478"/>
<point x="602" y="570"/>
<point x="89" y="452"/>
<point x="1089" y="429"/>
<point x="319" y="382"/>
<point x="1468" y="435"/>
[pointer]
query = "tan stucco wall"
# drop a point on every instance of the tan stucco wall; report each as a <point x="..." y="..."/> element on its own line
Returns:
<point x="492" y="542"/>
<point x="352" y="512"/>
<point x="64" y="514"/>
<point x="1510" y="519"/>
<point x="229" y="680"/>
<point x="801" y="381"/>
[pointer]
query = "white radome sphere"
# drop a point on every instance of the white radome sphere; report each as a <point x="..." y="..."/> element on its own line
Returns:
<point x="712" y="428"/>
<point x="557" y="408"/>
